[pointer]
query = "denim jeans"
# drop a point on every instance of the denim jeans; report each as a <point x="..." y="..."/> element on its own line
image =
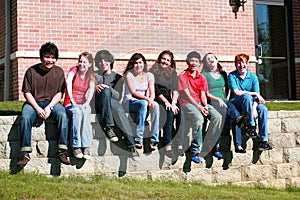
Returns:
<point x="167" y="118"/>
<point x="244" y="104"/>
<point x="81" y="129"/>
<point x="140" y="107"/>
<point x="29" y="116"/>
<point x="112" y="113"/>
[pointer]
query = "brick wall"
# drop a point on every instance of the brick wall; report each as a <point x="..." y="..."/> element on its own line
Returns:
<point x="129" y="26"/>
<point x="296" y="27"/>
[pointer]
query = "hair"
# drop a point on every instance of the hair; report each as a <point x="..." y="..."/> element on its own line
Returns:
<point x="90" y="75"/>
<point x="132" y="60"/>
<point x="192" y="54"/>
<point x="106" y="55"/>
<point x="50" y="49"/>
<point x="241" y="57"/>
<point x="167" y="72"/>
<point x="205" y="67"/>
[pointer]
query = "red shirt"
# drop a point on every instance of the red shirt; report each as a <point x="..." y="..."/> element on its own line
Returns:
<point x="194" y="85"/>
<point x="79" y="88"/>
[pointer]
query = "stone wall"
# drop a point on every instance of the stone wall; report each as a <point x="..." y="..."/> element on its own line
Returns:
<point x="278" y="167"/>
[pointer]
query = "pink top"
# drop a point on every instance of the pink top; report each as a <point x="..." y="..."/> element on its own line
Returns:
<point x="79" y="88"/>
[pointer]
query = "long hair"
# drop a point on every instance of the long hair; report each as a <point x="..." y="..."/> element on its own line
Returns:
<point x="156" y="69"/>
<point x="90" y="75"/>
<point x="205" y="67"/>
<point x="132" y="60"/>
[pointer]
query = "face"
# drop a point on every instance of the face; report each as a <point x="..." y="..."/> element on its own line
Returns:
<point x="104" y="65"/>
<point x="242" y="67"/>
<point x="193" y="64"/>
<point x="211" y="61"/>
<point x="48" y="61"/>
<point x="165" y="60"/>
<point x="138" y="66"/>
<point x="84" y="64"/>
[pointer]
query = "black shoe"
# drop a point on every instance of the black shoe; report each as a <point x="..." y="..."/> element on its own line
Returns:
<point x="241" y="120"/>
<point x="262" y="146"/>
<point x="239" y="149"/>
<point x="110" y="134"/>
<point x="23" y="160"/>
<point x="251" y="132"/>
<point x="63" y="157"/>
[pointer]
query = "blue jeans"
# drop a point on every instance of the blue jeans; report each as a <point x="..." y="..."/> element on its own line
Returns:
<point x="112" y="113"/>
<point x="29" y="116"/>
<point x="167" y="118"/>
<point x="244" y="104"/>
<point x="81" y="129"/>
<point x="140" y="107"/>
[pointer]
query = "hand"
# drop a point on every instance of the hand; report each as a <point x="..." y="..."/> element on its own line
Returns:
<point x="260" y="99"/>
<point x="151" y="103"/>
<point x="175" y="109"/>
<point x="221" y="103"/>
<point x="100" y="87"/>
<point x="203" y="110"/>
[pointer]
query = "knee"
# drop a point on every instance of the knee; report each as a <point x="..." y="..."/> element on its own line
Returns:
<point x="262" y="109"/>
<point x="106" y="92"/>
<point x="246" y="97"/>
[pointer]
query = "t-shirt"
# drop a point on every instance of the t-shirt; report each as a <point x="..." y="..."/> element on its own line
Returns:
<point x="194" y="84"/>
<point x="140" y="85"/>
<point x="44" y="85"/>
<point x="249" y="83"/>
<point x="165" y="85"/>
<point x="215" y="86"/>
<point x="114" y="80"/>
<point x="79" y="88"/>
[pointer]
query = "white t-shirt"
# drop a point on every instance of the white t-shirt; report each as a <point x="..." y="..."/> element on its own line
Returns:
<point x="140" y="85"/>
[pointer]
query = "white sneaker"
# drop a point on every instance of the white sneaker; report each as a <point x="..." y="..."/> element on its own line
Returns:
<point x="87" y="153"/>
<point x="77" y="153"/>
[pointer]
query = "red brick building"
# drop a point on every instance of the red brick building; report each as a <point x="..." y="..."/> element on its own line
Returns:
<point x="266" y="29"/>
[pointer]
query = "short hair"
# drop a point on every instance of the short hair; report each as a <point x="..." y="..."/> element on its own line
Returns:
<point x="48" y="48"/>
<point x="241" y="57"/>
<point x="193" y="54"/>
<point x="106" y="55"/>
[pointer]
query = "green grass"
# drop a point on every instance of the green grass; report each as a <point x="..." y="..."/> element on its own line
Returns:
<point x="34" y="186"/>
<point x="15" y="107"/>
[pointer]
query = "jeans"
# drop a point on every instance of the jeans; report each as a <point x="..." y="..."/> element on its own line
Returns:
<point x="244" y="104"/>
<point x="140" y="107"/>
<point x="29" y="116"/>
<point x="112" y="113"/>
<point x="230" y="114"/>
<point x="167" y="118"/>
<point x="195" y="117"/>
<point x="81" y="129"/>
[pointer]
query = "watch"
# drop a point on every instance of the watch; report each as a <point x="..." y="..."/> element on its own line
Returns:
<point x="51" y="108"/>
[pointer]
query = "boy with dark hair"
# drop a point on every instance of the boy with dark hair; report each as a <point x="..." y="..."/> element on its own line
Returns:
<point x="109" y="90"/>
<point x="192" y="88"/>
<point x="43" y="88"/>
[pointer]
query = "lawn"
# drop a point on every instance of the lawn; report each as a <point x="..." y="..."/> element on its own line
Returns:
<point x="34" y="186"/>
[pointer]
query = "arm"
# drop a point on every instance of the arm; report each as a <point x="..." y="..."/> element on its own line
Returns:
<point x="69" y="82"/>
<point x="151" y="90"/>
<point x="89" y="94"/>
<point x="214" y="98"/>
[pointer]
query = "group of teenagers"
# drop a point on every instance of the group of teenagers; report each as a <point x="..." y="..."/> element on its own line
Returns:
<point x="175" y="102"/>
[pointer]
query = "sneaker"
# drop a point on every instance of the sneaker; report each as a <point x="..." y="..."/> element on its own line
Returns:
<point x="138" y="145"/>
<point x="239" y="149"/>
<point x="217" y="154"/>
<point x="134" y="154"/>
<point x="153" y="146"/>
<point x="63" y="157"/>
<point x="87" y="153"/>
<point x="110" y="134"/>
<point x="262" y="146"/>
<point x="23" y="160"/>
<point x="195" y="157"/>
<point x="77" y="153"/>
<point x="251" y="132"/>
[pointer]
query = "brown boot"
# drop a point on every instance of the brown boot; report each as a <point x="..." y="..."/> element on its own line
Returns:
<point x="63" y="157"/>
<point x="23" y="160"/>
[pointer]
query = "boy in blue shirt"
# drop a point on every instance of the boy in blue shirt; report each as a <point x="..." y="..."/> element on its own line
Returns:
<point x="245" y="95"/>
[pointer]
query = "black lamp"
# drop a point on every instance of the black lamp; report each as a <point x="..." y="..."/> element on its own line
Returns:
<point x="236" y="4"/>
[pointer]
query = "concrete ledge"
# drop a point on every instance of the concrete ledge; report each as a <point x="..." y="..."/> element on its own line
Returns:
<point x="279" y="167"/>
